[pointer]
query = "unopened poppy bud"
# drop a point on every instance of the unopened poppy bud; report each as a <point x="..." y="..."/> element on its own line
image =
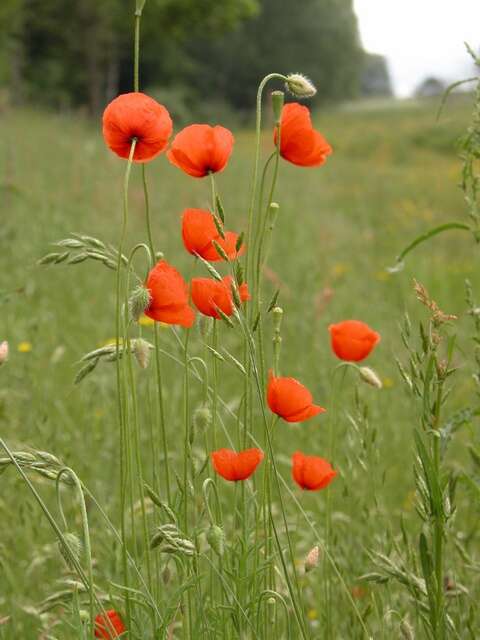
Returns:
<point x="370" y="377"/>
<point x="141" y="351"/>
<point x="216" y="539"/>
<point x="311" y="561"/>
<point x="277" y="318"/>
<point x="273" y="213"/>
<point x="138" y="302"/>
<point x="278" y="99"/>
<point x="3" y="352"/>
<point x="202" y="418"/>
<point x="300" y="86"/>
<point x="74" y="544"/>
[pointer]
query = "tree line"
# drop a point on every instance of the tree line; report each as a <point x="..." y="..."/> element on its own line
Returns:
<point x="68" y="54"/>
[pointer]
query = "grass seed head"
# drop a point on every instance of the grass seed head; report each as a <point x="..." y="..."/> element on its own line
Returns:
<point x="370" y="377"/>
<point x="312" y="558"/>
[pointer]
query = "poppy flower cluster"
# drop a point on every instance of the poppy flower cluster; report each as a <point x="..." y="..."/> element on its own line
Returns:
<point x="200" y="150"/>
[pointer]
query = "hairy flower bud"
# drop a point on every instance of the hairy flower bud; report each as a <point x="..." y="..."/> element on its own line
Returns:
<point x="3" y="352"/>
<point x="300" y="86"/>
<point x="216" y="539"/>
<point x="141" y="351"/>
<point x="138" y="302"/>
<point x="370" y="377"/>
<point x="202" y="418"/>
<point x="311" y="561"/>
<point x="74" y="545"/>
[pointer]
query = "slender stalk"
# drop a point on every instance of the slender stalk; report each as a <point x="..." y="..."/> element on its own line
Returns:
<point x="258" y="128"/>
<point x="86" y="534"/>
<point x="120" y="386"/>
<point x="158" y="365"/>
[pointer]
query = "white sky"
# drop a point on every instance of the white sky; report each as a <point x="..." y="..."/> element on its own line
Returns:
<point x="420" y="37"/>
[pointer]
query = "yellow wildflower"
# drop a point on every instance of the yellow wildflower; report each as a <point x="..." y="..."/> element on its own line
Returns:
<point x="24" y="347"/>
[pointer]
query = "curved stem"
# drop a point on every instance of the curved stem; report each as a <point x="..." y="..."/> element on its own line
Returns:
<point x="258" y="128"/>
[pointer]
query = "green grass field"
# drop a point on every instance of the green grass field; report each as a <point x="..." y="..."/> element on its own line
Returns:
<point x="394" y="174"/>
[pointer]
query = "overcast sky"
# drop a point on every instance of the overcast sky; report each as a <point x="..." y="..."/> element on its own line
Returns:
<point x="420" y="37"/>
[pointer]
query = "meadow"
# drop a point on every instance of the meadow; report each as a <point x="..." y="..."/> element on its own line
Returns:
<point x="394" y="174"/>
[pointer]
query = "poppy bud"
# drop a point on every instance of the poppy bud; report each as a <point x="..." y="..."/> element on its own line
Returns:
<point x="278" y="99"/>
<point x="300" y="86"/>
<point x="74" y="545"/>
<point x="138" y="302"/>
<point x="202" y="418"/>
<point x="3" y="352"/>
<point x="216" y="539"/>
<point x="277" y="318"/>
<point x="273" y="213"/>
<point x="311" y="561"/>
<point x="370" y="377"/>
<point x="141" y="351"/>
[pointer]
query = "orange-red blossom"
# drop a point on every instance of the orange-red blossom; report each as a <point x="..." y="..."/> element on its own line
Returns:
<point x="290" y="399"/>
<point x="235" y="466"/>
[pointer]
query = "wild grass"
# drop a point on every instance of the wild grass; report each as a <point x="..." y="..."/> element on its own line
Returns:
<point x="394" y="173"/>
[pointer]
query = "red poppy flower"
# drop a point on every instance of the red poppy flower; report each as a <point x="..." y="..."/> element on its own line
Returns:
<point x="209" y="294"/>
<point x="352" y="340"/>
<point x="168" y="296"/>
<point x="200" y="149"/>
<point x="311" y="472"/>
<point x="109" y="626"/>
<point x="291" y="400"/>
<point x="199" y="231"/>
<point x="135" y="115"/>
<point x="236" y="466"/>
<point x="300" y="143"/>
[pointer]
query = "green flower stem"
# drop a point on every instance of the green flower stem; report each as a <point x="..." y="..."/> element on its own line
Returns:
<point x="158" y="364"/>
<point x="258" y="128"/>
<point x="86" y="534"/>
<point x="136" y="429"/>
<point x="338" y="378"/>
<point x="120" y="384"/>
<point x="294" y="590"/>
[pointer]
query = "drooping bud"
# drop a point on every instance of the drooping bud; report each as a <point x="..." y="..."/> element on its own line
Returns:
<point x="3" y="352"/>
<point x="300" y="86"/>
<point x="202" y="418"/>
<point x="138" y="302"/>
<point x="311" y="561"/>
<point x="141" y="351"/>
<point x="278" y="99"/>
<point x="216" y="539"/>
<point x="370" y="377"/>
<point x="74" y="544"/>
